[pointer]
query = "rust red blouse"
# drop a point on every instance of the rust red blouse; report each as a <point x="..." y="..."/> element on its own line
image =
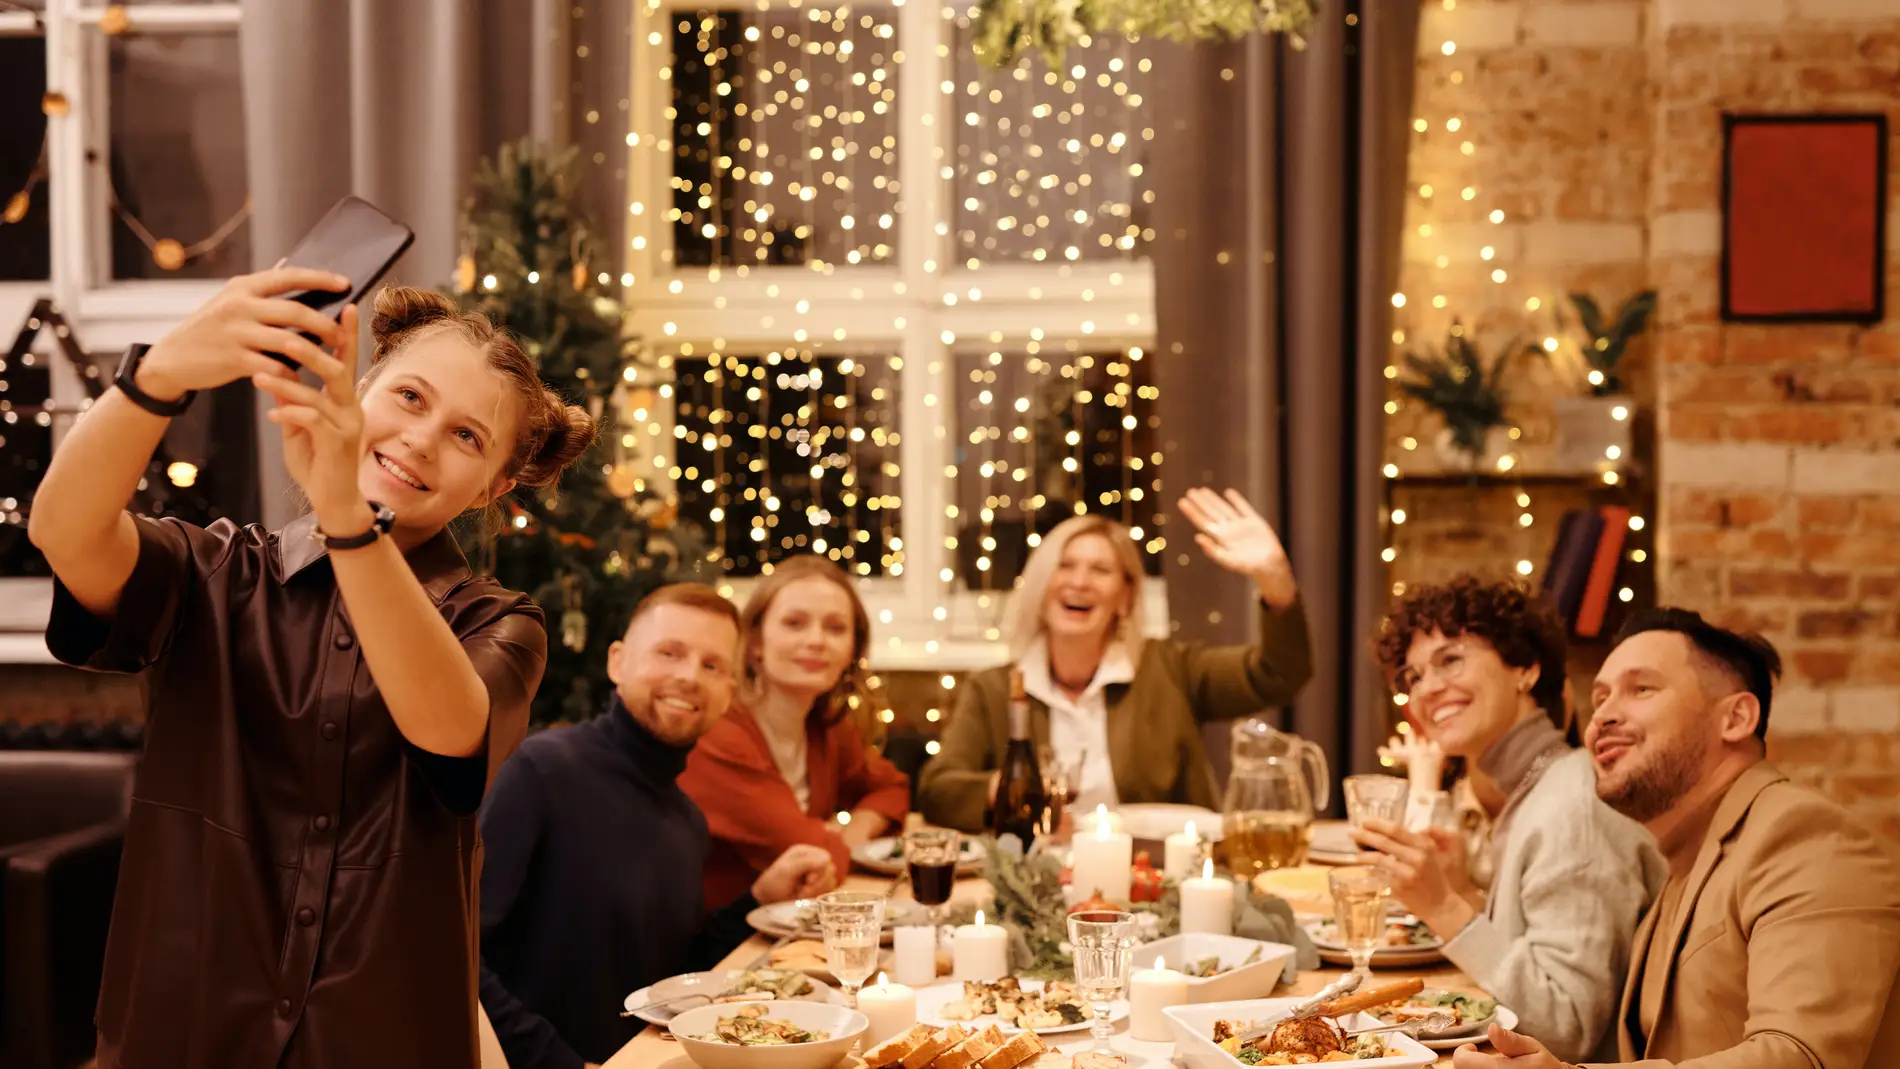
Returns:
<point x="298" y="887"/>
<point x="753" y="814"/>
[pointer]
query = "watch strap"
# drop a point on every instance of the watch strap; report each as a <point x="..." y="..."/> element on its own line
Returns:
<point x="125" y="380"/>
<point x="385" y="520"/>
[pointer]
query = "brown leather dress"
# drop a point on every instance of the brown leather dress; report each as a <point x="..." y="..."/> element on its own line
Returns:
<point x="299" y="883"/>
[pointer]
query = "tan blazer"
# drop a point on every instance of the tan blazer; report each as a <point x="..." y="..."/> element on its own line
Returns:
<point x="1787" y="941"/>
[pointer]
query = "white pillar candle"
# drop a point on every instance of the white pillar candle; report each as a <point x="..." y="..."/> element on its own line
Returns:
<point x="1149" y="992"/>
<point x="891" y="1009"/>
<point x="1207" y="903"/>
<point x="980" y="952"/>
<point x="914" y="954"/>
<point x="1101" y="862"/>
<point x="1100" y="819"/>
<point x="1183" y="851"/>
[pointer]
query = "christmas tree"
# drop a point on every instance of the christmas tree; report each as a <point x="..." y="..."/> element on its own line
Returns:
<point x="591" y="548"/>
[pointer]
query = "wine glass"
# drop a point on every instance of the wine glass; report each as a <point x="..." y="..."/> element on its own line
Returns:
<point x="1104" y="942"/>
<point x="1060" y="781"/>
<point x="931" y="855"/>
<point x="1359" y="907"/>
<point x="853" y="923"/>
<point x="1376" y="797"/>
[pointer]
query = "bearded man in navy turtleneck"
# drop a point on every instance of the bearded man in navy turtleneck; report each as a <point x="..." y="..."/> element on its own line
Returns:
<point x="591" y="883"/>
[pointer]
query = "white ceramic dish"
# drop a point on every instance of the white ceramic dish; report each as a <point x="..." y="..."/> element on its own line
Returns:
<point x="1155" y="822"/>
<point x="1245" y="981"/>
<point x="712" y="984"/>
<point x="931" y="1001"/>
<point x="1331" y="844"/>
<point x="843" y="1026"/>
<point x="1194" y="1032"/>
<point x="800" y="918"/>
<point x="1474" y="1033"/>
<point x="1333" y="952"/>
<point x="886" y="857"/>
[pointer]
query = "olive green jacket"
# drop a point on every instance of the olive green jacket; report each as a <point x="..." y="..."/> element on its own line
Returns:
<point x="1154" y="721"/>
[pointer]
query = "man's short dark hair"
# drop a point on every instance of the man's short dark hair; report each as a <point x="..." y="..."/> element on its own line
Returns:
<point x="1748" y="657"/>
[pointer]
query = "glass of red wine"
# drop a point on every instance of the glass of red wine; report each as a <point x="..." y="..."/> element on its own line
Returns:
<point x="931" y="855"/>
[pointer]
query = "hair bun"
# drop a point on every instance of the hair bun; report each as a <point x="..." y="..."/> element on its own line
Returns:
<point x="569" y="431"/>
<point x="401" y="310"/>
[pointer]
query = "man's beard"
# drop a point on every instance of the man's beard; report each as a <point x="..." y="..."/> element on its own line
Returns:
<point x="672" y="731"/>
<point x="1654" y="788"/>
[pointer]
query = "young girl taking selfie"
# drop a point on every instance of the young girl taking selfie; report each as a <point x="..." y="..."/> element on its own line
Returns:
<point x="327" y="702"/>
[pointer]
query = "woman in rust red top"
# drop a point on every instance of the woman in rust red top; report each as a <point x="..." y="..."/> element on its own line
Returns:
<point x="795" y="752"/>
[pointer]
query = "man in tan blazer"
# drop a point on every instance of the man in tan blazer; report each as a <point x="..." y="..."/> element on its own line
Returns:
<point x="1776" y="941"/>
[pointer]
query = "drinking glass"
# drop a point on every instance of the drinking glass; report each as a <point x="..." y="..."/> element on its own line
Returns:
<point x="853" y="923"/>
<point x="1359" y="906"/>
<point x="1060" y="781"/>
<point x="1375" y="797"/>
<point x="930" y="855"/>
<point x="1104" y="942"/>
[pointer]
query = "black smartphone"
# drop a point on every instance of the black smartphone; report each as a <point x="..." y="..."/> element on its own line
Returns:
<point x="355" y="240"/>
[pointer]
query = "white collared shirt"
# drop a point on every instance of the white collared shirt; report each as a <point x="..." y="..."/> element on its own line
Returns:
<point x="1078" y="727"/>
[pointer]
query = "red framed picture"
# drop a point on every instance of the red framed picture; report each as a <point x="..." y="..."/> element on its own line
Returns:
<point x="1804" y="218"/>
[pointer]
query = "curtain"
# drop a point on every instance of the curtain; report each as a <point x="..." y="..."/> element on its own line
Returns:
<point x="395" y="101"/>
<point x="1280" y="183"/>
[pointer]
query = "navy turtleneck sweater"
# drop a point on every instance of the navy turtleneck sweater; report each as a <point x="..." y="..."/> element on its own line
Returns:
<point x="590" y="889"/>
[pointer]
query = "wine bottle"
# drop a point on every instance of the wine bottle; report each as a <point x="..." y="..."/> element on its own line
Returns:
<point x="1020" y="798"/>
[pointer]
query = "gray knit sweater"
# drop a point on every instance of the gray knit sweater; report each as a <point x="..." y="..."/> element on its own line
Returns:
<point x="1573" y="878"/>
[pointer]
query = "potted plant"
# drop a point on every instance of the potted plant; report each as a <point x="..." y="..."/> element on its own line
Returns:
<point x="1593" y="430"/>
<point x="1459" y="386"/>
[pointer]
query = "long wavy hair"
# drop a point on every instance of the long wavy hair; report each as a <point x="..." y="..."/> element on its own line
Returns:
<point x="1025" y="613"/>
<point x="852" y="696"/>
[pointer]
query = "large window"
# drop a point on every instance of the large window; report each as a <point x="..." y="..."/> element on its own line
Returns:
<point x="903" y="297"/>
<point x="124" y="197"/>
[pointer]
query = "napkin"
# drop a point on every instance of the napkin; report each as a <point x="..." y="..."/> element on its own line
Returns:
<point x="1268" y="917"/>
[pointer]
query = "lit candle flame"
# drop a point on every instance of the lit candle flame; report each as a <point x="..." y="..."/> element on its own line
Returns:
<point x="1161" y="963"/>
<point x="883" y="979"/>
<point x="1192" y="834"/>
<point x="979" y="918"/>
<point x="1207" y="869"/>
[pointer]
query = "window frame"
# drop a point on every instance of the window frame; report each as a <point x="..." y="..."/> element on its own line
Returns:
<point x="108" y="314"/>
<point x="1099" y="303"/>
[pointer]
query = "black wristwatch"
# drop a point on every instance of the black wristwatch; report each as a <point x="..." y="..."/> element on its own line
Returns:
<point x="378" y="527"/>
<point x="128" y="368"/>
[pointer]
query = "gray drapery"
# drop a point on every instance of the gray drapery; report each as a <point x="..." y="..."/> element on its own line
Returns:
<point x="395" y="101"/>
<point x="1280" y="182"/>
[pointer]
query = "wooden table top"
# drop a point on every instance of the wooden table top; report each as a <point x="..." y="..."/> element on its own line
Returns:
<point x="651" y="1050"/>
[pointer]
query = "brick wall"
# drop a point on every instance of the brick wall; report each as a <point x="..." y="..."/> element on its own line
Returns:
<point x="1780" y="445"/>
<point x="1596" y="127"/>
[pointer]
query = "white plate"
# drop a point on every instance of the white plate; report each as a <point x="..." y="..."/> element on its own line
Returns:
<point x="1332" y="844"/>
<point x="1238" y="982"/>
<point x="1505" y="1016"/>
<point x="1157" y="821"/>
<point x="712" y="983"/>
<point x="800" y="919"/>
<point x="931" y="1001"/>
<point x="844" y="1026"/>
<point x="885" y="857"/>
<point x="1194" y="1035"/>
<point x="1334" y="953"/>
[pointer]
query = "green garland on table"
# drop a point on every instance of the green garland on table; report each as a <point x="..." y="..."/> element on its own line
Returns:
<point x="1003" y="29"/>
<point x="1030" y="906"/>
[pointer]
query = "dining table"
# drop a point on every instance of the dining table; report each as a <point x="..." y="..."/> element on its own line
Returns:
<point x="653" y="1049"/>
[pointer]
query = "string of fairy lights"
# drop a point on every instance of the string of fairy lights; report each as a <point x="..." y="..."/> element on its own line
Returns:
<point x="1429" y="191"/>
<point x="783" y="149"/>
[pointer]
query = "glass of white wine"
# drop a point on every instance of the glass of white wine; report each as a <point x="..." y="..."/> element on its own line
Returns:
<point x="1104" y="942"/>
<point x="1359" y="893"/>
<point x="853" y="923"/>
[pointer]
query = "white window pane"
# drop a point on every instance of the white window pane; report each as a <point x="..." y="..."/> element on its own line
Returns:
<point x="1052" y="166"/>
<point x="177" y="152"/>
<point x="803" y="457"/>
<point x="784" y="131"/>
<point x="1038" y="434"/>
<point x="25" y="244"/>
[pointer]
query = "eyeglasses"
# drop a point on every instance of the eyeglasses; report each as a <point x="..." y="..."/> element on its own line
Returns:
<point x="1447" y="663"/>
